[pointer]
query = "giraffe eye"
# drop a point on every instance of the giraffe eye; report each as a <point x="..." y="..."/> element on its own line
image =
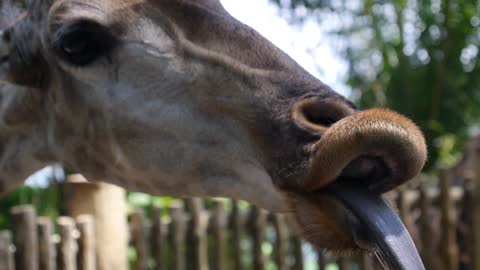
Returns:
<point x="83" y="42"/>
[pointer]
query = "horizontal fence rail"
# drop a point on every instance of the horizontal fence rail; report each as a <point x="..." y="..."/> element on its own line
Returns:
<point x="219" y="235"/>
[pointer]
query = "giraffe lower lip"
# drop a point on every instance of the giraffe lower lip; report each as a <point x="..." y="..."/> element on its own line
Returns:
<point x="380" y="226"/>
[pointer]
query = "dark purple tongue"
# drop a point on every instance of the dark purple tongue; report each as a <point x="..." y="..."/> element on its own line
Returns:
<point x="381" y="225"/>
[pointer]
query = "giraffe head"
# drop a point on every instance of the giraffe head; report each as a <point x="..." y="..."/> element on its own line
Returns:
<point x="176" y="97"/>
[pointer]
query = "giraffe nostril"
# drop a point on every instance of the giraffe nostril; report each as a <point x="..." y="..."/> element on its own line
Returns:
<point x="318" y="114"/>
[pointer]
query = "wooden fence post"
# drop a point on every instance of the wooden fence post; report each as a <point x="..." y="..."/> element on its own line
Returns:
<point x="366" y="262"/>
<point x="86" y="243"/>
<point x="281" y="245"/>
<point x="46" y="247"/>
<point x="236" y="225"/>
<point x="297" y="252"/>
<point x="469" y="230"/>
<point x="321" y="261"/>
<point x="404" y="203"/>
<point x="106" y="203"/>
<point x="476" y="213"/>
<point x="139" y="225"/>
<point x="258" y="223"/>
<point x="342" y="263"/>
<point x="7" y="261"/>
<point x="68" y="248"/>
<point x="25" y="237"/>
<point x="218" y="225"/>
<point x="450" y="252"/>
<point x="425" y="227"/>
<point x="178" y="229"/>
<point x="198" y="233"/>
<point x="159" y="236"/>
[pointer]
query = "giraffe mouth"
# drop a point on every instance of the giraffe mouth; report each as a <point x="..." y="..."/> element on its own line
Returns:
<point x="355" y="161"/>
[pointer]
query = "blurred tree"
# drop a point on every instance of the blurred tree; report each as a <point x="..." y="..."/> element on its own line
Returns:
<point x="45" y="200"/>
<point x="418" y="57"/>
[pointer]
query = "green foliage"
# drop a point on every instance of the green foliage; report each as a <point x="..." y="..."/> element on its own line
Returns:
<point x="418" y="57"/>
<point x="45" y="200"/>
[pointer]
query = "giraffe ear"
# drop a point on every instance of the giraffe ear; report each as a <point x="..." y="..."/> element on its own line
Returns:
<point x="20" y="106"/>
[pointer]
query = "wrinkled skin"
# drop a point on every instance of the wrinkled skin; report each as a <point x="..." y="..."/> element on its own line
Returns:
<point x="176" y="97"/>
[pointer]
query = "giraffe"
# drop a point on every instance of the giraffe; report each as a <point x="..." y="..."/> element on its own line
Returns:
<point x="178" y="98"/>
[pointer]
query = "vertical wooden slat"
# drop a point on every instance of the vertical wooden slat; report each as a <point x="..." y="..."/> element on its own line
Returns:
<point x="25" y="237"/>
<point x="86" y="243"/>
<point x="219" y="223"/>
<point x="297" y="253"/>
<point x="425" y="227"/>
<point x="178" y="229"/>
<point x="140" y="238"/>
<point x="159" y="237"/>
<point x="67" y="247"/>
<point x="321" y="260"/>
<point x="198" y="232"/>
<point x="404" y="212"/>
<point x="408" y="210"/>
<point x="402" y="204"/>
<point x="366" y="262"/>
<point x="7" y="261"/>
<point x="342" y="263"/>
<point x="46" y="247"/>
<point x="258" y="223"/>
<point x="237" y="231"/>
<point x="281" y="245"/>
<point x="476" y="214"/>
<point x="449" y="249"/>
<point x="469" y="230"/>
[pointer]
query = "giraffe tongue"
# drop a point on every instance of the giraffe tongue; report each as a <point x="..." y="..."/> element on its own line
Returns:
<point x="381" y="227"/>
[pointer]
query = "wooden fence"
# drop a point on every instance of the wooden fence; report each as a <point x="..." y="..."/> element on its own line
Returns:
<point x="442" y="214"/>
<point x="189" y="237"/>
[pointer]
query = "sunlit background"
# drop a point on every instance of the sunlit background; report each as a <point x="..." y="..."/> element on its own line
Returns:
<point x="306" y="44"/>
